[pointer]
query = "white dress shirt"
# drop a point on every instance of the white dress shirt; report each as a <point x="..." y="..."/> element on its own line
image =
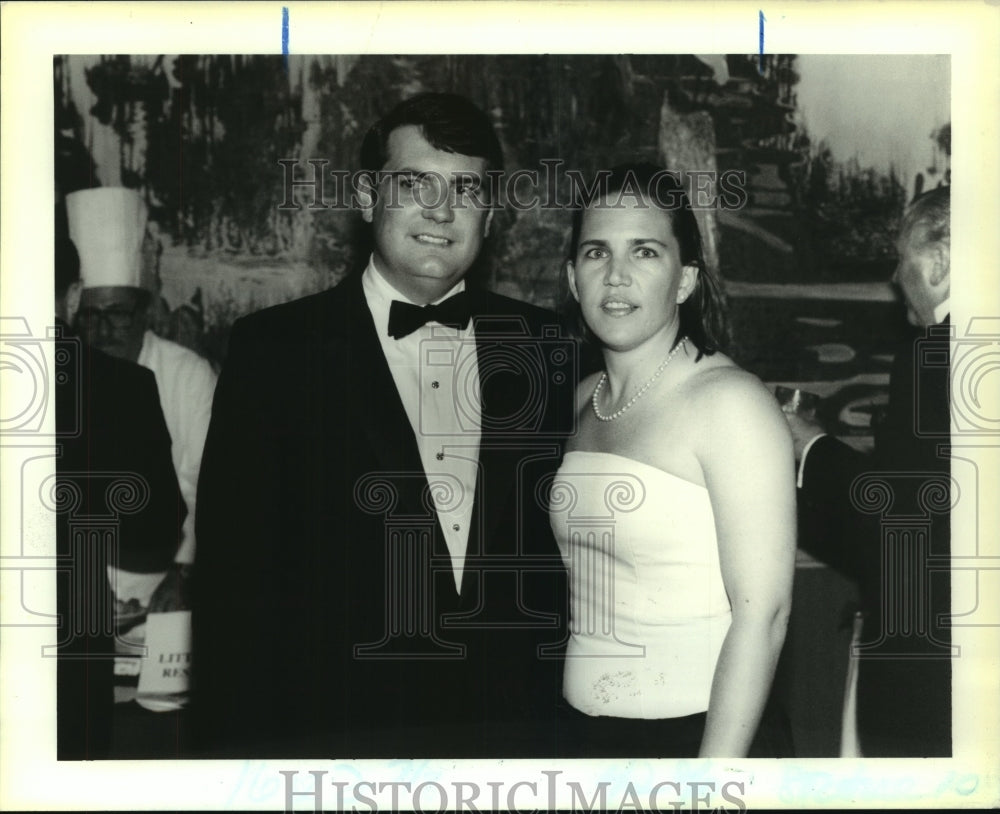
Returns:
<point x="941" y="310"/>
<point x="436" y="372"/>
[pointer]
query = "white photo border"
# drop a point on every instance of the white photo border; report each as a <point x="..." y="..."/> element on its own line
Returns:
<point x="33" y="33"/>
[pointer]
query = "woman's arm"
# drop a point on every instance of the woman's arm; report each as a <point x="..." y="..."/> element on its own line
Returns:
<point x="746" y="454"/>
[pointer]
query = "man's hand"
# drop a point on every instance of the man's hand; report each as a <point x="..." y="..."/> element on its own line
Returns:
<point x="804" y="429"/>
<point x="172" y="594"/>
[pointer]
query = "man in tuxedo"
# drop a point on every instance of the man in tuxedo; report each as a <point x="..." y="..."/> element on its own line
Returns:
<point x="113" y="460"/>
<point x="884" y="518"/>
<point x="377" y="576"/>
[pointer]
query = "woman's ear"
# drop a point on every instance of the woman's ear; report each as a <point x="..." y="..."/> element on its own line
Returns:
<point x="571" y="278"/>
<point x="689" y="281"/>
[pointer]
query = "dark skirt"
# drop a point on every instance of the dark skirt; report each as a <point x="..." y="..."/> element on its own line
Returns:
<point x="602" y="736"/>
<point x="596" y="736"/>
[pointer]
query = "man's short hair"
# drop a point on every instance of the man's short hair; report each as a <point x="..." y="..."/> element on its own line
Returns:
<point x="929" y="217"/>
<point x="448" y="122"/>
<point x="67" y="270"/>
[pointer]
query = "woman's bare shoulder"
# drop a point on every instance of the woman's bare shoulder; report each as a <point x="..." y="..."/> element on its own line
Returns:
<point x="725" y="399"/>
<point x="719" y="377"/>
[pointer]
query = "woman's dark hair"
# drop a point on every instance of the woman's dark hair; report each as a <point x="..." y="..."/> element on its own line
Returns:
<point x="702" y="314"/>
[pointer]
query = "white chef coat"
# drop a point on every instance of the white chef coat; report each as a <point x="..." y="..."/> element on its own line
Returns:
<point x="186" y="383"/>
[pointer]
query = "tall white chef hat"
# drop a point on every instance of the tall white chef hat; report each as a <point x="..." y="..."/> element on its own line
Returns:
<point x="108" y="225"/>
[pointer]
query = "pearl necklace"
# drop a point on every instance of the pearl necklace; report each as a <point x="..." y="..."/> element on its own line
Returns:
<point x="639" y="393"/>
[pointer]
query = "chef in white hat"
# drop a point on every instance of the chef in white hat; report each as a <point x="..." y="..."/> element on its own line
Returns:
<point x="108" y="227"/>
<point x="118" y="271"/>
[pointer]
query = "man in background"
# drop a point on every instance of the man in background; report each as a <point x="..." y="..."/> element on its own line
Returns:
<point x="109" y="426"/>
<point x="119" y="276"/>
<point x="108" y="226"/>
<point x="904" y="667"/>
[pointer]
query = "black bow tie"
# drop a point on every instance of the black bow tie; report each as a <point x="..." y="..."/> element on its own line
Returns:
<point x="405" y="318"/>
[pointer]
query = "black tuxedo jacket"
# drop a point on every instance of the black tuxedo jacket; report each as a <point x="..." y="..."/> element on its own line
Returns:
<point x="326" y="621"/>
<point x="884" y="519"/>
<point x="110" y="428"/>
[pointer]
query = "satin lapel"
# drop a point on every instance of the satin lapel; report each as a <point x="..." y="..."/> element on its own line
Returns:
<point x="368" y="387"/>
<point x="380" y="416"/>
<point x="496" y="474"/>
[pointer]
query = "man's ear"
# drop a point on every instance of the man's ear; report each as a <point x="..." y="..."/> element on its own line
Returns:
<point x="73" y="294"/>
<point x="571" y="278"/>
<point x="144" y="310"/>
<point x="940" y="267"/>
<point x="689" y="279"/>
<point x="367" y="195"/>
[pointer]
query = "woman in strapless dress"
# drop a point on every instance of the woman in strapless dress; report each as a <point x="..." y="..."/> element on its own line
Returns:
<point x="674" y="506"/>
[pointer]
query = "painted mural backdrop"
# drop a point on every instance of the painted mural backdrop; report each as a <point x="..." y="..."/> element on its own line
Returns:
<point x="805" y="260"/>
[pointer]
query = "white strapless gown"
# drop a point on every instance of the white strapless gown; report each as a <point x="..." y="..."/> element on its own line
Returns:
<point x="649" y="610"/>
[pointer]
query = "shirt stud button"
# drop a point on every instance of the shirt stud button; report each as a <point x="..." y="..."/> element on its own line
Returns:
<point x="456" y="527"/>
<point x="435" y="385"/>
<point x="440" y="456"/>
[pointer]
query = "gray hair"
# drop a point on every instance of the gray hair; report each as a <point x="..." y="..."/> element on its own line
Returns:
<point x="929" y="217"/>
